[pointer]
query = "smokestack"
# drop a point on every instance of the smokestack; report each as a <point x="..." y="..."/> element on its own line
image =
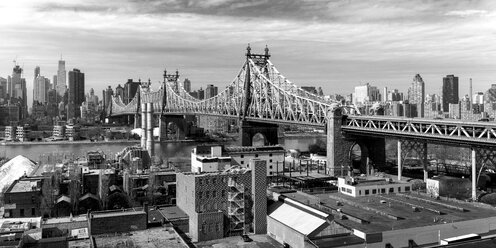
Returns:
<point x="149" y="128"/>
<point x="471" y="95"/>
<point x="143" y="125"/>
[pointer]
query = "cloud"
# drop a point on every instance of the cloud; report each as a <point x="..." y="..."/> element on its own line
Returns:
<point x="333" y="43"/>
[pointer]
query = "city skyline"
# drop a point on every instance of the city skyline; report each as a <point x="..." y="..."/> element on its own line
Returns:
<point x="335" y="45"/>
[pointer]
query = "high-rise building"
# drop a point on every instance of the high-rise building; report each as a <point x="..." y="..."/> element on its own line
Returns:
<point x="3" y="88"/>
<point x="385" y="95"/>
<point x="210" y="91"/>
<point x="187" y="85"/>
<point x="40" y="89"/>
<point x="36" y="71"/>
<point x="130" y="89"/>
<point x="54" y="82"/>
<point x="478" y="98"/>
<point x="18" y="90"/>
<point x="450" y="92"/>
<point x="416" y="94"/>
<point x="61" y="85"/>
<point x="76" y="93"/>
<point x="490" y="95"/>
<point x="107" y="97"/>
<point x="119" y="92"/>
<point x="395" y="95"/>
<point x="366" y="93"/>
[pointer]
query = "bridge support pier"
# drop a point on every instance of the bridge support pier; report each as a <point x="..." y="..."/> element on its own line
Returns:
<point x="143" y="125"/>
<point x="181" y="123"/>
<point x="249" y="129"/>
<point x="149" y="129"/>
<point x="474" y="174"/>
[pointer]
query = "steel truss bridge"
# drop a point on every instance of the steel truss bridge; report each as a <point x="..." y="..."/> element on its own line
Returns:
<point x="259" y="92"/>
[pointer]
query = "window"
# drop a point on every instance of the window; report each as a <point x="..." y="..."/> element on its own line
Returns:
<point x="200" y="194"/>
<point x="383" y="191"/>
<point x="391" y="190"/>
<point x="374" y="191"/>
<point x="270" y="161"/>
<point x="202" y="207"/>
<point x="22" y="212"/>
<point x="399" y="189"/>
<point x="223" y="193"/>
<point x="359" y="192"/>
<point x="214" y="194"/>
<point x="214" y="180"/>
<point x="217" y="227"/>
<point x="215" y="206"/>
<point x="204" y="228"/>
<point x="242" y="156"/>
<point x="200" y="181"/>
<point x="348" y="191"/>
<point x="206" y="180"/>
<point x="270" y="167"/>
<point x="33" y="213"/>
<point x="206" y="194"/>
<point x="270" y="154"/>
<point x="366" y="192"/>
<point x="270" y="173"/>
<point x="343" y="189"/>
<point x="242" y="162"/>
<point x="256" y="155"/>
<point x="407" y="188"/>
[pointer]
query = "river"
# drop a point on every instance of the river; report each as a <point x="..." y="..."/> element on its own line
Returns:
<point x="164" y="150"/>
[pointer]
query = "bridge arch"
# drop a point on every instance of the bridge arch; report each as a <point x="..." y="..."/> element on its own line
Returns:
<point x="358" y="157"/>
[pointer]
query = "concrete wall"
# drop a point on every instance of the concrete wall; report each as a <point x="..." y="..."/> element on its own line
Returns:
<point x="210" y="226"/>
<point x="112" y="223"/>
<point x="284" y="234"/>
<point x="274" y="160"/>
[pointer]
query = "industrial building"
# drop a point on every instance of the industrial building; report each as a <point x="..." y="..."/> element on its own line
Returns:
<point x="224" y="203"/>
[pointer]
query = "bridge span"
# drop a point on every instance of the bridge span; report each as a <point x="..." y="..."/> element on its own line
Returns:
<point x="261" y="98"/>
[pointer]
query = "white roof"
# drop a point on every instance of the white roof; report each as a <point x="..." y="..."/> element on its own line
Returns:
<point x="301" y="221"/>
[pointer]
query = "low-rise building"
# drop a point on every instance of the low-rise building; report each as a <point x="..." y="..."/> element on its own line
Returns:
<point x="23" y="198"/>
<point x="215" y="158"/>
<point x="363" y="186"/>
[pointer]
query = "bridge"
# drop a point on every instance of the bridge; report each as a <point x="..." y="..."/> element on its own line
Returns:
<point x="261" y="98"/>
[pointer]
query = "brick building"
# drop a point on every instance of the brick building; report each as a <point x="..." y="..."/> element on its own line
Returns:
<point x="23" y="198"/>
<point x="227" y="203"/>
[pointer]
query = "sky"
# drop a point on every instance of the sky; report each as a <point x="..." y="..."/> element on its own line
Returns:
<point x="334" y="44"/>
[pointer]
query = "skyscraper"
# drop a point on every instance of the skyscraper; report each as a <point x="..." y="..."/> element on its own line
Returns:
<point x="3" y="88"/>
<point x="40" y="89"/>
<point x="130" y="89"/>
<point x="210" y="91"/>
<point x="416" y="94"/>
<point x="18" y="90"/>
<point x="61" y="79"/>
<point x="187" y="85"/>
<point x="450" y="91"/>
<point x="76" y="93"/>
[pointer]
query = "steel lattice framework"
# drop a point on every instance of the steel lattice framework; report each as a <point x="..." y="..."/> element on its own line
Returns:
<point x="259" y="92"/>
<point x="457" y="132"/>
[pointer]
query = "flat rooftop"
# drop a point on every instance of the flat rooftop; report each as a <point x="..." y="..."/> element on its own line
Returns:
<point x="304" y="176"/>
<point x="149" y="238"/>
<point x="173" y="213"/>
<point x="374" y="213"/>
<point x="25" y="186"/>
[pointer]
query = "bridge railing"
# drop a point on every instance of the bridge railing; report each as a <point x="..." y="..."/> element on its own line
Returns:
<point x="442" y="129"/>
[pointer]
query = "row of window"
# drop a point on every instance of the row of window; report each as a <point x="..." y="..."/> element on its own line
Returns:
<point x="243" y="162"/>
<point x="206" y="194"/>
<point x="256" y="155"/>
<point x="212" y="206"/>
<point x="208" y="228"/>
<point x="207" y="180"/>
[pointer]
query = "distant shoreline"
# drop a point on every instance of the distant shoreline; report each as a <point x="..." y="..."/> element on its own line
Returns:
<point x="84" y="142"/>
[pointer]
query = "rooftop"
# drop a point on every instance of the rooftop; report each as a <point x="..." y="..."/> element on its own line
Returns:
<point x="254" y="149"/>
<point x="149" y="238"/>
<point x="374" y="213"/>
<point x="25" y="186"/>
<point x="173" y="213"/>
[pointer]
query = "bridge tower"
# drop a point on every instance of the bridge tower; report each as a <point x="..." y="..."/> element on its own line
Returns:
<point x="249" y="129"/>
<point x="339" y="147"/>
